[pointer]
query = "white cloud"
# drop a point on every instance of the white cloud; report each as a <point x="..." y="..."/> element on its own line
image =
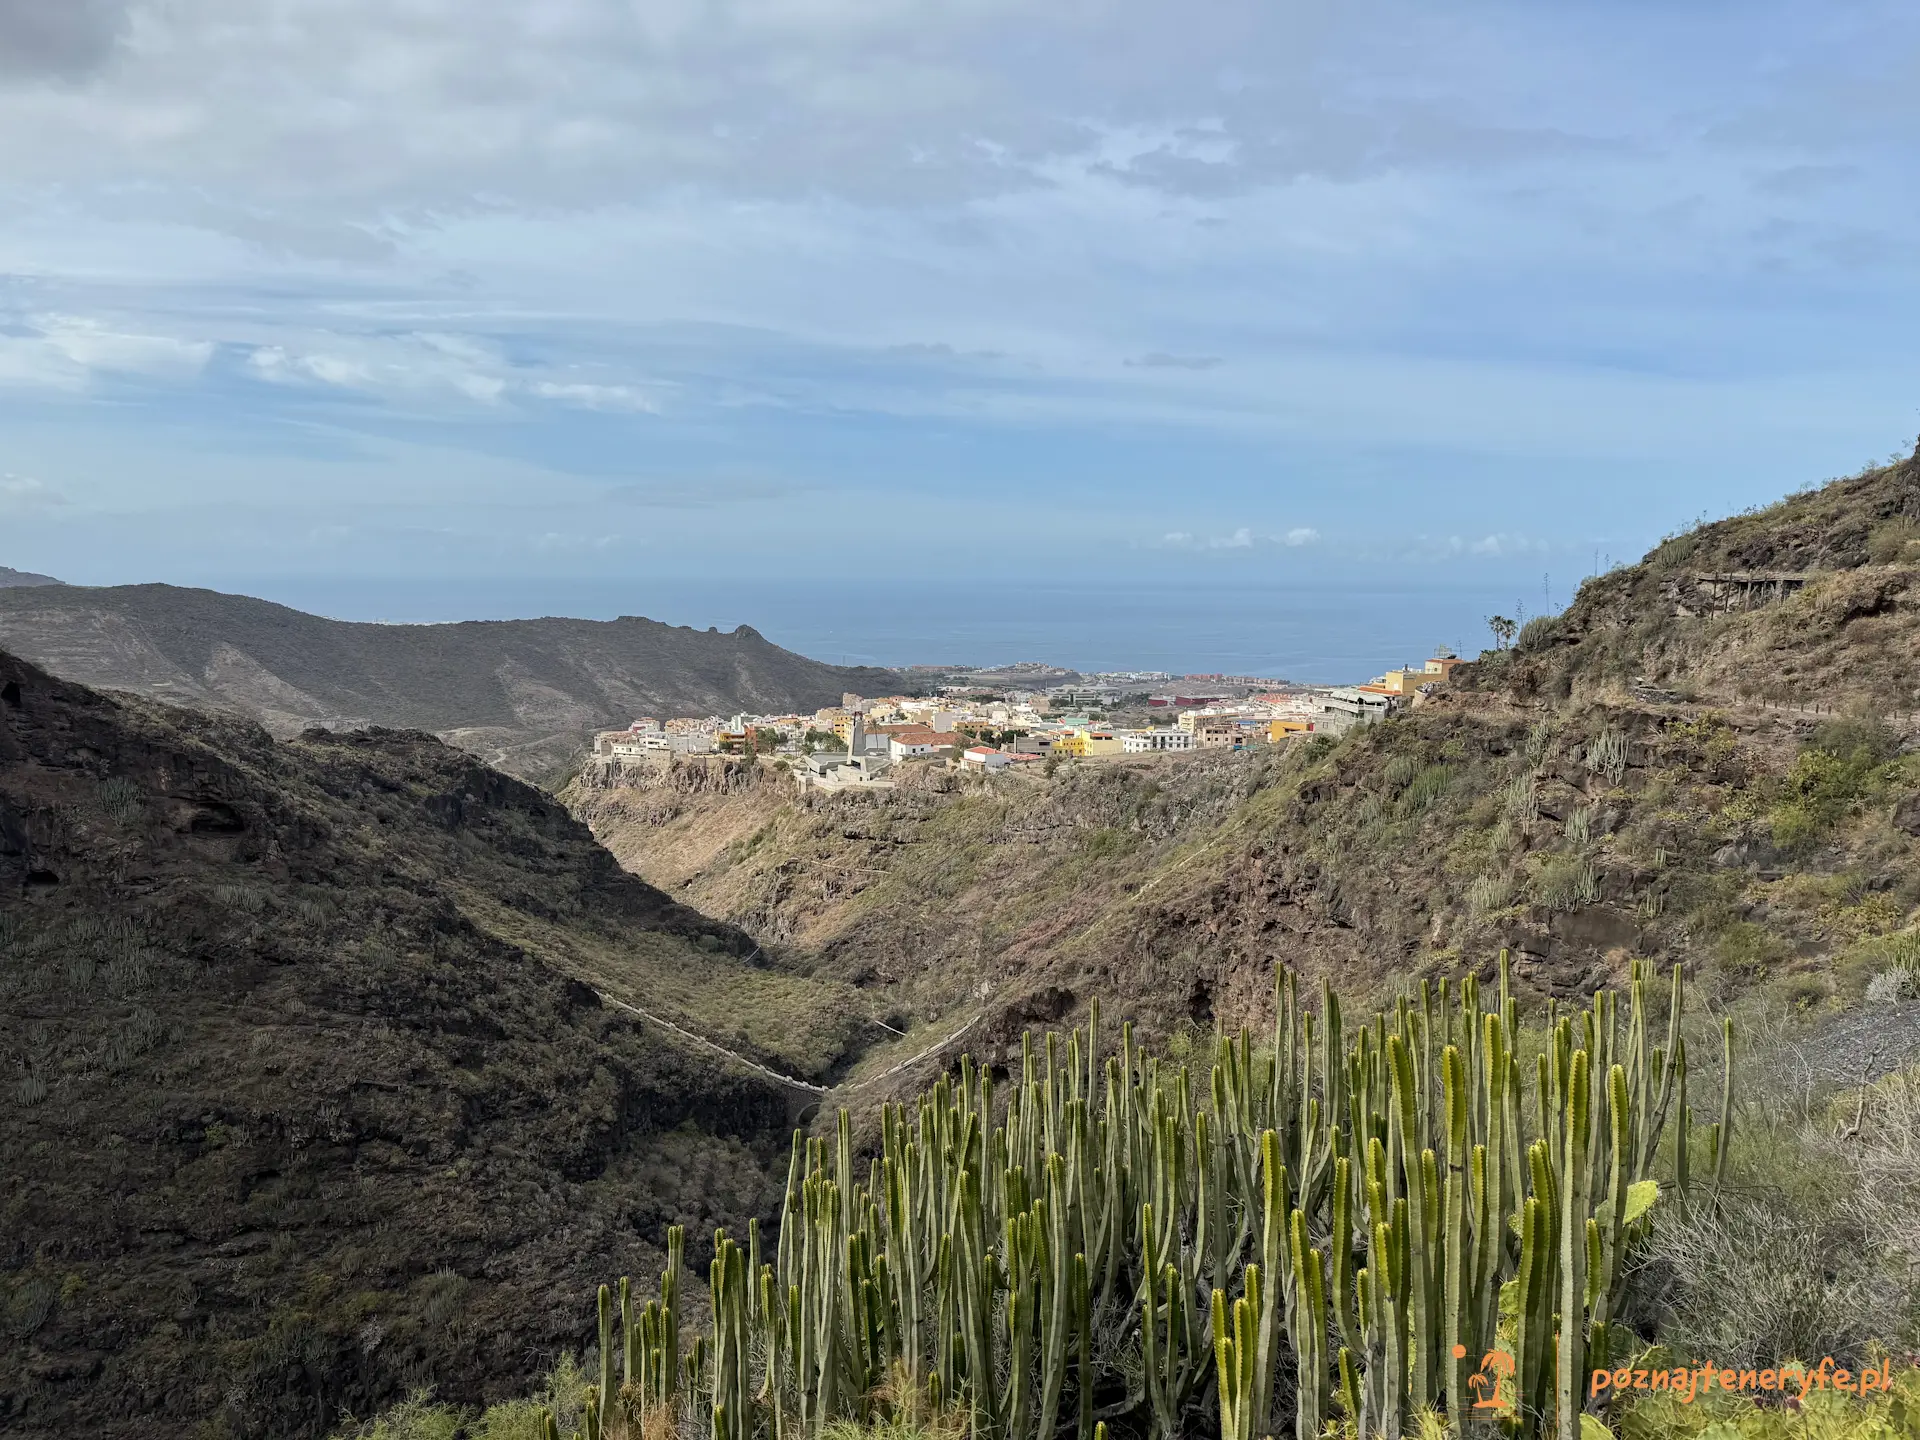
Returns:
<point x="425" y="366"/>
<point x="1242" y="537"/>
<point x="594" y="397"/>
<point x="67" y="351"/>
<point x="1497" y="546"/>
<point x="23" y="495"/>
<point x="1377" y="250"/>
<point x="392" y="366"/>
<point x="442" y="103"/>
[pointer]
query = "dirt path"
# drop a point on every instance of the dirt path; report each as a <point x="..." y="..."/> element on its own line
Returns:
<point x="791" y="1081"/>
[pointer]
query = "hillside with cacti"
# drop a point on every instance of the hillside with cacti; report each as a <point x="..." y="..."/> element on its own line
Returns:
<point x="1445" y="1219"/>
<point x="337" y="1074"/>
<point x="1729" y="782"/>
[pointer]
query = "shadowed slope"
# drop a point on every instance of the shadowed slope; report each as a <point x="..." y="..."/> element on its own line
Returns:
<point x="305" y="1102"/>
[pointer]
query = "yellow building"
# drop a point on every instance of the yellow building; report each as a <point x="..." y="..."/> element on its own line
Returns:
<point x="1084" y="742"/>
<point x="1280" y="729"/>
<point x="1407" y="682"/>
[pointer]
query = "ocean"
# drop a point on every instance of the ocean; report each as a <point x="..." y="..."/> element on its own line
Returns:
<point x="1320" y="633"/>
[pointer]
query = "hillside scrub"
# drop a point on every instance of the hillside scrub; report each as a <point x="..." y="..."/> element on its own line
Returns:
<point x="1800" y="1244"/>
<point x="1763" y="848"/>
<point x="992" y="1260"/>
<point x="307" y="1100"/>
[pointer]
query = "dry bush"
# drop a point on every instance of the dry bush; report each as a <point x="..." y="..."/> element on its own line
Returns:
<point x="1880" y="1149"/>
<point x="1754" y="1280"/>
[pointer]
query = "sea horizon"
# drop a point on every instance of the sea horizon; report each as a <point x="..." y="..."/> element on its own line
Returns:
<point x="1318" y="632"/>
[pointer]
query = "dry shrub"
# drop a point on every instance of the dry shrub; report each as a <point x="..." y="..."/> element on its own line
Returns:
<point x="1880" y="1147"/>
<point x="1752" y="1281"/>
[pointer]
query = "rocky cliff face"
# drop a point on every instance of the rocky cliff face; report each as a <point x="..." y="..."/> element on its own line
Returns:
<point x="291" y="1121"/>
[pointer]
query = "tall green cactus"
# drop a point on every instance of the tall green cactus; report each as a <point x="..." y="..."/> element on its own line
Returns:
<point x="998" y="1243"/>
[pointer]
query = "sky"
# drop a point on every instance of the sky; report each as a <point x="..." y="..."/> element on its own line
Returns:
<point x="338" y="291"/>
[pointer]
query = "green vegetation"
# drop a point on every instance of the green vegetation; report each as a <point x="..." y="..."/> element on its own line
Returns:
<point x="1341" y="1219"/>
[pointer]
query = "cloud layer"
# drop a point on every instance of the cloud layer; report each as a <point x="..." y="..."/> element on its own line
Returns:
<point x="1274" y="283"/>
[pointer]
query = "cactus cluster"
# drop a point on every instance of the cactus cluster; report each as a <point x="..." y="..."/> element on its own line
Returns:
<point x="1429" y="1214"/>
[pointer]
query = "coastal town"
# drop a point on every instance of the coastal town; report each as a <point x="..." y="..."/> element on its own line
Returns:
<point x="1003" y="720"/>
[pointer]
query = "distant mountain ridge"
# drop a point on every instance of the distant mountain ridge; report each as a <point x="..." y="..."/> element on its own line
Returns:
<point x="525" y="694"/>
<point x="11" y="578"/>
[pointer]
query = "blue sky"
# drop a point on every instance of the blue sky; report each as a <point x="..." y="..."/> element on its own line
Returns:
<point x="1235" y="290"/>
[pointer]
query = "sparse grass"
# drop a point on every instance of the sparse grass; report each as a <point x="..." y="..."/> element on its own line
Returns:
<point x="789" y="1021"/>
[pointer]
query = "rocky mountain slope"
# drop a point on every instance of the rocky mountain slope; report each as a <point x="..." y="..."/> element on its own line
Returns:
<point x="524" y="694"/>
<point x="1709" y="756"/>
<point x="9" y="577"/>
<point x="309" y="1097"/>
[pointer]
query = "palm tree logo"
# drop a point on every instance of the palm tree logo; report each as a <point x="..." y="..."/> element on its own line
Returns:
<point x="1489" y="1382"/>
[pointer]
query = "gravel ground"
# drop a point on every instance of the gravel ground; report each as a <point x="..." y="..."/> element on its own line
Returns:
<point x="1834" y="1052"/>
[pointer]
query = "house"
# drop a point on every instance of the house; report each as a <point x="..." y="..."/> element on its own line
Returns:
<point x="1278" y="730"/>
<point x="835" y="770"/>
<point x="1407" y="680"/>
<point x="1146" y="742"/>
<point x="1078" y="695"/>
<point x="1086" y="741"/>
<point x="910" y="744"/>
<point x="984" y="757"/>
<point x="1216" y="732"/>
<point x="934" y="717"/>
<point x="1346" y="706"/>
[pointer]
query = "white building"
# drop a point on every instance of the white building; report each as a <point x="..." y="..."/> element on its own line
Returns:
<point x="1342" y="708"/>
<point x="635" y="747"/>
<point x="934" y="717"/>
<point x="1143" y="742"/>
<point x="836" y="770"/>
<point x="909" y="747"/>
<point x="983" y="757"/>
